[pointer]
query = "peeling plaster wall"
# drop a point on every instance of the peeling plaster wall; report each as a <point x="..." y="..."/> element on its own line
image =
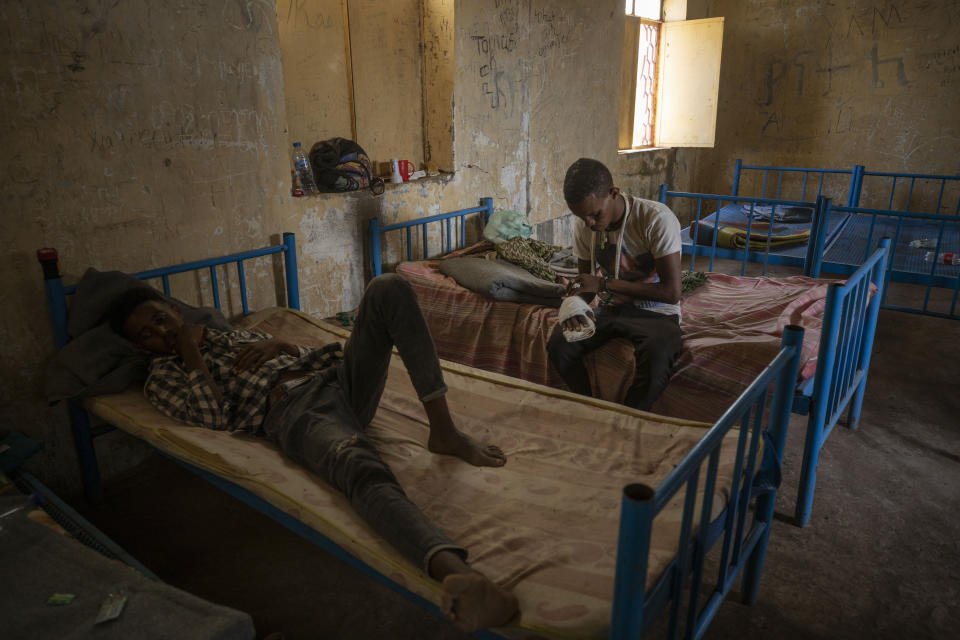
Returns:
<point x="140" y="134"/>
<point x="833" y="84"/>
<point x="136" y="134"/>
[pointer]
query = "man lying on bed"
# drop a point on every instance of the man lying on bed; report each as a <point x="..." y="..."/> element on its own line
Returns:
<point x="620" y="233"/>
<point x="315" y="405"/>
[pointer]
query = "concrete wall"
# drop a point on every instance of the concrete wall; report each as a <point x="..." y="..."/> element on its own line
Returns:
<point x="833" y="84"/>
<point x="140" y="134"/>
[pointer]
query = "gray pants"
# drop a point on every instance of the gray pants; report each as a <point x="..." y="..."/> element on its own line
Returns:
<point x="656" y="342"/>
<point x="320" y="424"/>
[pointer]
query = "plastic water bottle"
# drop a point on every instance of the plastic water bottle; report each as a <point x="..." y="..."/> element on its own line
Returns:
<point x="304" y="171"/>
<point x="942" y="258"/>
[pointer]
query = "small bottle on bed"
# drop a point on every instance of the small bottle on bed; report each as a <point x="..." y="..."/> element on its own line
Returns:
<point x="942" y="258"/>
<point x="301" y="163"/>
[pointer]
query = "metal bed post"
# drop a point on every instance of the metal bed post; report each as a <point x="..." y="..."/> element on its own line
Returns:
<point x="487" y="204"/>
<point x="815" y="246"/>
<point x="856" y="185"/>
<point x="818" y="414"/>
<point x="374" y="247"/>
<point x="736" y="177"/>
<point x="290" y="270"/>
<point x="633" y="549"/>
<point x="866" y="349"/>
<point x="780" y="419"/>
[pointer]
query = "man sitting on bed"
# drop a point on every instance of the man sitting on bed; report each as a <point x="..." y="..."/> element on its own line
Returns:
<point x="315" y="405"/>
<point x="637" y="244"/>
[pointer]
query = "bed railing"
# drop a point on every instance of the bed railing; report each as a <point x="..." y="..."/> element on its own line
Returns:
<point x="792" y="178"/>
<point x="843" y="361"/>
<point x="742" y="548"/>
<point x="713" y="205"/>
<point x="939" y="237"/>
<point x="910" y="193"/>
<point x="57" y="293"/>
<point x="451" y="237"/>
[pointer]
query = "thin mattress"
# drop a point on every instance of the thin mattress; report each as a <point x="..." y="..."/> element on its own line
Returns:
<point x="545" y="525"/>
<point x="732" y="327"/>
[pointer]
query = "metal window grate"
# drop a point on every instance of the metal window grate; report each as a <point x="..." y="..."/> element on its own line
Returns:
<point x="643" y="115"/>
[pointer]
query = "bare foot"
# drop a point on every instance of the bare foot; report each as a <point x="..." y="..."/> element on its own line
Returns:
<point x="472" y="602"/>
<point x="456" y="443"/>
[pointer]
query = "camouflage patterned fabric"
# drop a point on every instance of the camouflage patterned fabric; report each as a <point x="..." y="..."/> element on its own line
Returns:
<point x="530" y="254"/>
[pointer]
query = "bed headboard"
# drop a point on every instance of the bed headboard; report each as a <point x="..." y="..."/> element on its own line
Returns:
<point x="774" y="180"/>
<point x="910" y="193"/>
<point x="453" y="238"/>
<point x="57" y="292"/>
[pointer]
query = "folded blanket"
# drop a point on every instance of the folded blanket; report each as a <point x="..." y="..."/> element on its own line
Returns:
<point x="501" y="280"/>
<point x="735" y="237"/>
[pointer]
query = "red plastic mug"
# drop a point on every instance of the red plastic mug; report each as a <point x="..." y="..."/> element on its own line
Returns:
<point x="406" y="168"/>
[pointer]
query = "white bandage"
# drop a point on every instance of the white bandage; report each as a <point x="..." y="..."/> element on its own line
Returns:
<point x="571" y="307"/>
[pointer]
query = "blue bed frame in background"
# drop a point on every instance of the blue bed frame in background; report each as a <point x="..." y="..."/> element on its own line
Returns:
<point x="894" y="195"/>
<point x="743" y="542"/>
<point x="449" y="238"/>
<point x="796" y="257"/>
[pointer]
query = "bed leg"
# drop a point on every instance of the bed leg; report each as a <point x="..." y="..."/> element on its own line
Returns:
<point x="856" y="405"/>
<point x="86" y="454"/>
<point x="808" y="471"/>
<point x="754" y="568"/>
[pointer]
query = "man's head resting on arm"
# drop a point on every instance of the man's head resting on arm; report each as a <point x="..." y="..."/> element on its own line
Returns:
<point x="144" y="317"/>
<point x="589" y="192"/>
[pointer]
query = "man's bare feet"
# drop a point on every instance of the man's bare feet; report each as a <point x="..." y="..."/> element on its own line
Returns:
<point x="472" y="602"/>
<point x="446" y="439"/>
<point x="453" y="442"/>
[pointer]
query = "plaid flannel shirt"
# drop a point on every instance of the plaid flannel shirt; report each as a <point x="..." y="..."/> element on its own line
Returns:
<point x="188" y="396"/>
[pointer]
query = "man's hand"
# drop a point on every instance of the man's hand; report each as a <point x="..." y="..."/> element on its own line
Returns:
<point x="257" y="353"/>
<point x="585" y="285"/>
<point x="189" y="339"/>
<point x="577" y="323"/>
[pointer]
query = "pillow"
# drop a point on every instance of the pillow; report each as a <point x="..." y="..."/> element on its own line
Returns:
<point x="96" y="290"/>
<point x="502" y="280"/>
<point x="98" y="360"/>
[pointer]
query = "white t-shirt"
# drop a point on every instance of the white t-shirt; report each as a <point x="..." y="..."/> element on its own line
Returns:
<point x="650" y="227"/>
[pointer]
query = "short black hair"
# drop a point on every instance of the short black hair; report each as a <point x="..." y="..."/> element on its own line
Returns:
<point x="586" y="176"/>
<point x="124" y="304"/>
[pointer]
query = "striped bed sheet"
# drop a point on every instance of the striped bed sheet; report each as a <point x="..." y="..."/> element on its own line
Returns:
<point x="545" y="525"/>
<point x="732" y="327"/>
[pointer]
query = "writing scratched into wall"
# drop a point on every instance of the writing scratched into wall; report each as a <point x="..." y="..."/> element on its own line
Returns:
<point x="493" y="82"/>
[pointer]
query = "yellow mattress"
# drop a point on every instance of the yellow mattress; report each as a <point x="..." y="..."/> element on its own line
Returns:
<point x="545" y="525"/>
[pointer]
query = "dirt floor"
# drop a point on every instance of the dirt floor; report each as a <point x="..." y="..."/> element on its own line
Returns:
<point x="880" y="558"/>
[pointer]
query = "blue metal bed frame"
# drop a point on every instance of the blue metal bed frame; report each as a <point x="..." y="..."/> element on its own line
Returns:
<point x="851" y="334"/>
<point x="449" y="240"/>
<point x="768" y="256"/>
<point x="847" y="247"/>
<point x="786" y="178"/>
<point x="846" y="252"/>
<point x="743" y="547"/>
<point x="57" y="292"/>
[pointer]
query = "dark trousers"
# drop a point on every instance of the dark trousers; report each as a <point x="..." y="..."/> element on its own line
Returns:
<point x="656" y="345"/>
<point x="320" y="423"/>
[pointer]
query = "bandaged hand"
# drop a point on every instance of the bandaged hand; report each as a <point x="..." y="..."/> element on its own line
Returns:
<point x="578" y="322"/>
<point x="576" y="318"/>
